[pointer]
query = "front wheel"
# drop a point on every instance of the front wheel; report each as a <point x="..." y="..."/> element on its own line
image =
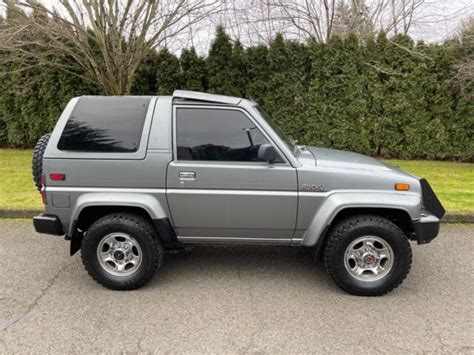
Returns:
<point x="121" y="251"/>
<point x="367" y="255"/>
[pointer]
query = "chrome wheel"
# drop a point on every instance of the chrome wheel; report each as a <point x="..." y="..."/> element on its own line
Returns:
<point x="368" y="258"/>
<point x="119" y="254"/>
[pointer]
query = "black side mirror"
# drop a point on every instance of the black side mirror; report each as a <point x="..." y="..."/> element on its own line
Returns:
<point x="268" y="153"/>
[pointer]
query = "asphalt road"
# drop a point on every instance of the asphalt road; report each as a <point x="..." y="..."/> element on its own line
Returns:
<point x="232" y="300"/>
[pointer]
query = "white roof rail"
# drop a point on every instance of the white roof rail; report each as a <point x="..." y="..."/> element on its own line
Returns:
<point x="201" y="96"/>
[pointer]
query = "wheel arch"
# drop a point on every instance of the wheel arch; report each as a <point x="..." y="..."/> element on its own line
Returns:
<point x="399" y="217"/>
<point x="89" y="209"/>
<point x="402" y="209"/>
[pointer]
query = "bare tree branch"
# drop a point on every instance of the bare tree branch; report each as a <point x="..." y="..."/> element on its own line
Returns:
<point x="107" y="39"/>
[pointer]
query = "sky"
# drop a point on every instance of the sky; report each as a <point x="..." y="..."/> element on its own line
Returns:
<point x="436" y="21"/>
<point x="441" y="19"/>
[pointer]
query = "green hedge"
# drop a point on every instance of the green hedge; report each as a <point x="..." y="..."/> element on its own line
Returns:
<point x="386" y="97"/>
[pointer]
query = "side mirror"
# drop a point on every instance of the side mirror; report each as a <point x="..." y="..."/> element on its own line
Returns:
<point x="268" y="153"/>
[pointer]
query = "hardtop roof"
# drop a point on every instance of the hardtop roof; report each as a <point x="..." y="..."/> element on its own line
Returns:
<point x="201" y="96"/>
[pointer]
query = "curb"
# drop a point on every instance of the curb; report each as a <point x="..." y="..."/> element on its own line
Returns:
<point x="448" y="218"/>
<point x="19" y="213"/>
<point x="458" y="218"/>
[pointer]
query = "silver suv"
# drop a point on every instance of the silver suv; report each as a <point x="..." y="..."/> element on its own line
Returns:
<point x="126" y="178"/>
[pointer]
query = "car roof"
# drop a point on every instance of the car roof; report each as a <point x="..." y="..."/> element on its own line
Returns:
<point x="201" y="96"/>
<point x="185" y="95"/>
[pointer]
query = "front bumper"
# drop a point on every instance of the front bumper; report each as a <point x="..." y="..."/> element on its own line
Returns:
<point x="426" y="229"/>
<point x="48" y="224"/>
<point x="430" y="201"/>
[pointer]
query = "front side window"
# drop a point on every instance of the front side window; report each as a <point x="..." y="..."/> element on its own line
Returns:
<point x="105" y="124"/>
<point x="217" y="135"/>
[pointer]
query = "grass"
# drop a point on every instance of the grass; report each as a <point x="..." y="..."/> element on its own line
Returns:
<point x="18" y="191"/>
<point x="452" y="182"/>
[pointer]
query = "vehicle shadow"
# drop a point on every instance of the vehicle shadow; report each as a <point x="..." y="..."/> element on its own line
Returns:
<point x="243" y="263"/>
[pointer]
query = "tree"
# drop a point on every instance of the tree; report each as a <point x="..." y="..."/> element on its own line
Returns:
<point x="318" y="20"/>
<point x="337" y="107"/>
<point x="402" y="15"/>
<point x="238" y="68"/>
<point x="168" y="74"/>
<point x="219" y="65"/>
<point x="145" y="78"/>
<point x="465" y="63"/>
<point x="193" y="70"/>
<point x="354" y="17"/>
<point x="107" y="40"/>
<point x="258" y="72"/>
<point x="313" y="19"/>
<point x="285" y="97"/>
<point x="398" y="107"/>
<point x="31" y="101"/>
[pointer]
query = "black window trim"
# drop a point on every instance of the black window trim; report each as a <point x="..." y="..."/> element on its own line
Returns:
<point x="177" y="106"/>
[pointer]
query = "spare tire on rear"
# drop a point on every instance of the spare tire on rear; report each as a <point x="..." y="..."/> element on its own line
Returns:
<point x="38" y="154"/>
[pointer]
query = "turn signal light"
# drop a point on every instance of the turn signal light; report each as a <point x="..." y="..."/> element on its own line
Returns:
<point x="57" y="176"/>
<point x="402" y="187"/>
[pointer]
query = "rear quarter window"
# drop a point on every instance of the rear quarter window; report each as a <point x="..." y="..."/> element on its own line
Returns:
<point x="105" y="124"/>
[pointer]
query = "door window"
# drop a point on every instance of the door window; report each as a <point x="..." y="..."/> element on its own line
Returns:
<point x="217" y="135"/>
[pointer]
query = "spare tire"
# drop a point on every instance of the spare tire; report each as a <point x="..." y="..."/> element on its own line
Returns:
<point x="38" y="154"/>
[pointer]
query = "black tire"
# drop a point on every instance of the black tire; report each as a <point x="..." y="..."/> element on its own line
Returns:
<point x="37" y="164"/>
<point x="143" y="233"/>
<point x="348" y="231"/>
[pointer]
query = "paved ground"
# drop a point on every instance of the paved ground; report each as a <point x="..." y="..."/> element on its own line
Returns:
<point x="231" y="299"/>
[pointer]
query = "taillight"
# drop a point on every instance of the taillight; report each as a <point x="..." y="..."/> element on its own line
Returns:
<point x="43" y="188"/>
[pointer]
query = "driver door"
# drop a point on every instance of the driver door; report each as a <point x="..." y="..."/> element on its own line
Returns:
<point x="216" y="187"/>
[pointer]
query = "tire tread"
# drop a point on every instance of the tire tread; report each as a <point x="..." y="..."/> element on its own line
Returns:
<point x="37" y="159"/>
<point x="152" y="241"/>
<point x="334" y="239"/>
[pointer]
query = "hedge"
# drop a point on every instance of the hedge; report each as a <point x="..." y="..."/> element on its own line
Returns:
<point x="387" y="97"/>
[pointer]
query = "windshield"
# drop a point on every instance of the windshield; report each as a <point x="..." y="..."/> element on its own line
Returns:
<point x="272" y="124"/>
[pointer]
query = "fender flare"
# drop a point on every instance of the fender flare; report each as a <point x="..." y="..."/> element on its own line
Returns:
<point x="148" y="203"/>
<point x="338" y="201"/>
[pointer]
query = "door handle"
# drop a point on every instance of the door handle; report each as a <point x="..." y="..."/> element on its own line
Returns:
<point x="187" y="175"/>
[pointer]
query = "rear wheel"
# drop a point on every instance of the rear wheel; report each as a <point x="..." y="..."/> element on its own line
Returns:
<point x="367" y="255"/>
<point x="121" y="251"/>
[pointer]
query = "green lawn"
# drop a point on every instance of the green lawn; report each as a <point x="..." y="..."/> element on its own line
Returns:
<point x="16" y="182"/>
<point x="452" y="182"/>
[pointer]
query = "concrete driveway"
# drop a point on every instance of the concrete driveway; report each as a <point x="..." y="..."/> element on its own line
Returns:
<point x="232" y="300"/>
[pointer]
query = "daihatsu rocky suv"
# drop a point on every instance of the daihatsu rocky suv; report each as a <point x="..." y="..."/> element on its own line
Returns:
<point x="124" y="178"/>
